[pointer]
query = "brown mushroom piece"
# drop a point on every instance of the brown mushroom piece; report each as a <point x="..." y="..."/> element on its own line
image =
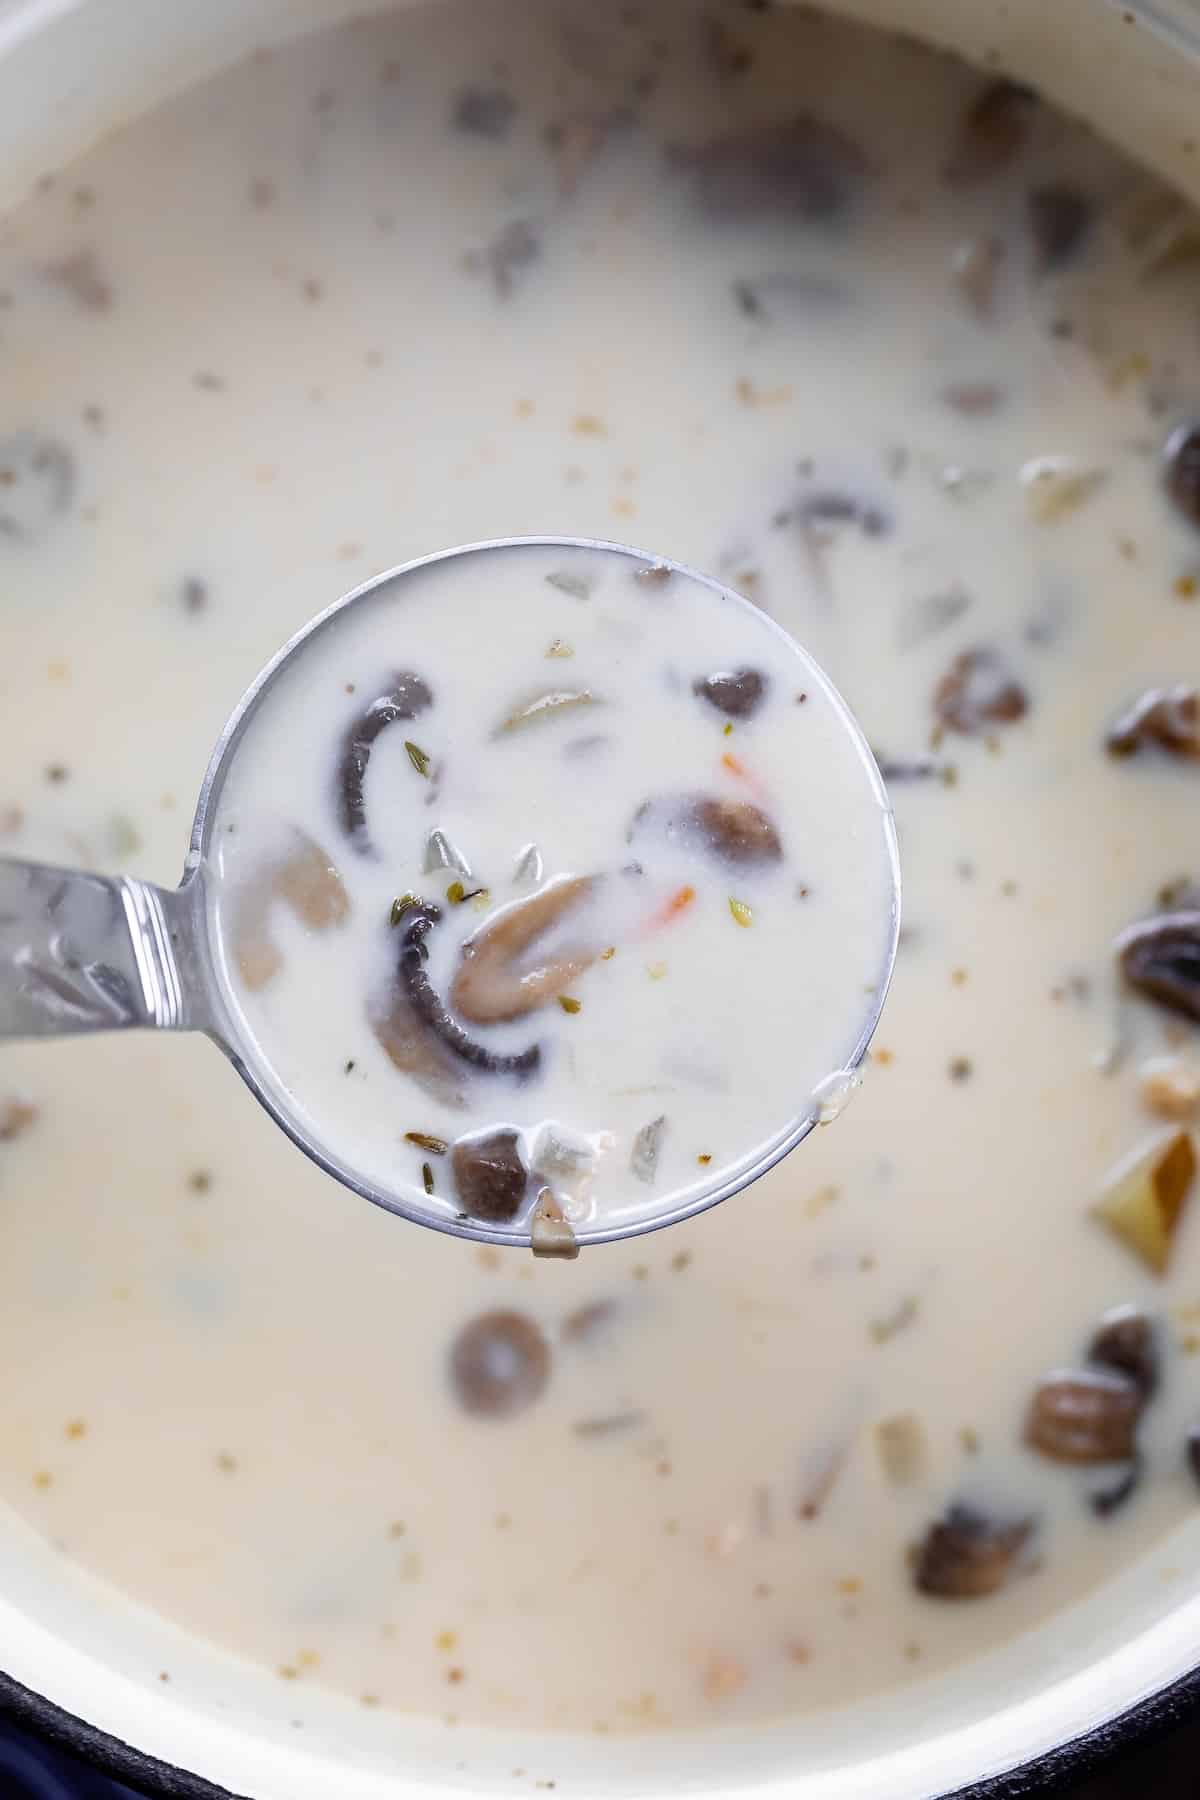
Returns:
<point x="419" y="919"/>
<point x="1085" y="1416"/>
<point x="968" y="1554"/>
<point x="499" y="1365"/>
<point x="307" y="881"/>
<point x="1060" y="217"/>
<point x="1160" y="957"/>
<point x="1125" y="1341"/>
<point x="490" y="1177"/>
<point x="995" y="129"/>
<point x="1181" y="458"/>
<point x="405" y="697"/>
<point x="37" y="485"/>
<point x="735" y="832"/>
<point x="1168" y="718"/>
<point x="413" y="1049"/>
<point x="492" y="984"/>
<point x="978" y="690"/>
<point x="738" y="693"/>
<point x="801" y="168"/>
<point x="1192" y="1451"/>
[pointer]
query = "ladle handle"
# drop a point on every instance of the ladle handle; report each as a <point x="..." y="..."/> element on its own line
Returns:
<point x="81" y="952"/>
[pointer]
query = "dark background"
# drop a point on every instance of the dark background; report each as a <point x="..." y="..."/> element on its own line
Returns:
<point x="1166" y="1770"/>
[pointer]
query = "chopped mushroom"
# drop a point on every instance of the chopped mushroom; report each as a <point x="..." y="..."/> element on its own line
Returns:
<point x="901" y="1445"/>
<point x="414" y="1050"/>
<point x="978" y="690"/>
<point x="16" y="1117"/>
<point x="738" y="693"/>
<point x="499" y="1365"/>
<point x="995" y="129"/>
<point x="1160" y="957"/>
<point x="1142" y="1204"/>
<point x="431" y="1009"/>
<point x="1085" y="1416"/>
<point x="492" y="985"/>
<point x="308" y="882"/>
<point x="967" y="1554"/>
<point x="1167" y="717"/>
<point x="1125" y="1341"/>
<point x="550" y="1231"/>
<point x="801" y="168"/>
<point x="406" y="697"/>
<point x="733" y="831"/>
<point x="1060" y="217"/>
<point x="1193" y="1452"/>
<point x="1182" y="460"/>
<point x="37" y="484"/>
<point x="490" y="1176"/>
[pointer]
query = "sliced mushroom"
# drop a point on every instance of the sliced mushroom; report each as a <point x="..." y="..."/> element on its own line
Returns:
<point x="738" y="692"/>
<point x="492" y="985"/>
<point x="414" y="1050"/>
<point x="419" y="919"/>
<point x="1160" y="957"/>
<point x="1192" y="1450"/>
<point x="1060" y="217"/>
<point x="308" y="882"/>
<point x="406" y="697"/>
<point x="16" y="1117"/>
<point x="1125" y="1341"/>
<point x="733" y="831"/>
<point x="490" y="1176"/>
<point x="802" y="168"/>
<point x="1168" y="717"/>
<point x="1182" y="461"/>
<point x="968" y="1554"/>
<point x="1104" y="1501"/>
<point x="499" y="1365"/>
<point x="978" y="690"/>
<point x="1085" y="1416"/>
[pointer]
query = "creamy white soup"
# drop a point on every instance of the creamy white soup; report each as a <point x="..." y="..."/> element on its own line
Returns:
<point x="914" y="363"/>
<point x="604" y="932"/>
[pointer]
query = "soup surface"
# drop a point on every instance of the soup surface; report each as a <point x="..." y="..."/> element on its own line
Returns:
<point x="606" y="938"/>
<point x="915" y="364"/>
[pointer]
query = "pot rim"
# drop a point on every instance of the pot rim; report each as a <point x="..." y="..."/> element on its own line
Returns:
<point x="1107" y="1743"/>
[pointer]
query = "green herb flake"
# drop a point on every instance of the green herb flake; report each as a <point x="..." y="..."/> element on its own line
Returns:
<point x="569" y="1004"/>
<point x="424" y="1140"/>
<point x="727" y="728"/>
<point x="400" y="906"/>
<point x="427" y="1177"/>
<point x="743" y="915"/>
<point x="420" y="759"/>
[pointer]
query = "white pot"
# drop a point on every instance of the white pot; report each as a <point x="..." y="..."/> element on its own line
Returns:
<point x="81" y="1671"/>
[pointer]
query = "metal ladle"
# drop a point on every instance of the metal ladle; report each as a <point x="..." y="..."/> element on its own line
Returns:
<point x="81" y="952"/>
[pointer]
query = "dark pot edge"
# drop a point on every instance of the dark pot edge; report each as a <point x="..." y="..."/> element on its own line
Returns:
<point x="1047" y="1774"/>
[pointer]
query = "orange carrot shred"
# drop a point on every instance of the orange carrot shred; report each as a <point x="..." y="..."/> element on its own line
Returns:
<point x="679" y="902"/>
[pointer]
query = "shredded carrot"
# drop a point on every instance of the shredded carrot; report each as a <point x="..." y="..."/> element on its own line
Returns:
<point x="679" y="902"/>
<point x="737" y="768"/>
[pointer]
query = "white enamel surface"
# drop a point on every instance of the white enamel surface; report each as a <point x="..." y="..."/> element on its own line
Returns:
<point x="62" y="1640"/>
